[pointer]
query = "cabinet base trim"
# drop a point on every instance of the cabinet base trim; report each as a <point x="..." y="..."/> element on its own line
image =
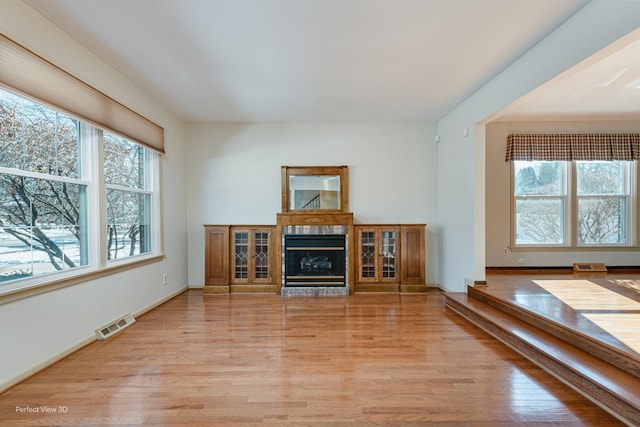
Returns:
<point x="381" y="287"/>
<point x="215" y="289"/>
<point x="413" y="288"/>
<point x="255" y="289"/>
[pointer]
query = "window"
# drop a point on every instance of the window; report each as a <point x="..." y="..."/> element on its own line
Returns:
<point x="48" y="223"/>
<point x="573" y="203"/>
<point x="126" y="167"/>
<point x="541" y="202"/>
<point x="603" y="198"/>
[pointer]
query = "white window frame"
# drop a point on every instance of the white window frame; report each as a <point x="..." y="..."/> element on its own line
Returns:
<point x="571" y="212"/>
<point x="151" y="176"/>
<point x="630" y="195"/>
<point x="565" y="197"/>
<point x="91" y="175"/>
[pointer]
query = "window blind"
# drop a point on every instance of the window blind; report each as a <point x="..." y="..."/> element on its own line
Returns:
<point x="34" y="76"/>
<point x="588" y="146"/>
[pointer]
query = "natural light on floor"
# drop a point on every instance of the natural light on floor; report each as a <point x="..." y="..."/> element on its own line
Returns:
<point x="595" y="303"/>
<point x="623" y="326"/>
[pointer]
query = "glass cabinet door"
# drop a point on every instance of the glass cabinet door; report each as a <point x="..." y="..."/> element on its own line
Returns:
<point x="378" y="254"/>
<point x="389" y="250"/>
<point x="261" y="255"/>
<point x="241" y="255"/>
<point x="250" y="255"/>
<point x="368" y="255"/>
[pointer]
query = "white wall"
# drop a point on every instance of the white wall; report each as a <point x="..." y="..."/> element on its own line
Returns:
<point x="461" y="166"/>
<point x="498" y="197"/>
<point x="39" y="329"/>
<point x="234" y="174"/>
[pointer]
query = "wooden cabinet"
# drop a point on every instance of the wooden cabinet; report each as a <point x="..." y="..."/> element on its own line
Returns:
<point x="247" y="258"/>
<point x="251" y="255"/>
<point x="239" y="259"/>
<point x="377" y="252"/>
<point x="390" y="258"/>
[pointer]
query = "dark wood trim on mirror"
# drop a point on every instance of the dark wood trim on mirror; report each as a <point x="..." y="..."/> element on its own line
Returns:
<point x="341" y="171"/>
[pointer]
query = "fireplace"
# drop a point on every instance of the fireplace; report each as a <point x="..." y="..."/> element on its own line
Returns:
<point x="312" y="260"/>
<point x="316" y="255"/>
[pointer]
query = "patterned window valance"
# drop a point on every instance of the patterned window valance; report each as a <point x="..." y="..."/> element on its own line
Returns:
<point x="588" y="146"/>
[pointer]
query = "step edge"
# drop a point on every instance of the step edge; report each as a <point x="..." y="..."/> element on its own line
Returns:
<point x="627" y="362"/>
<point x="590" y="362"/>
<point x="621" y="400"/>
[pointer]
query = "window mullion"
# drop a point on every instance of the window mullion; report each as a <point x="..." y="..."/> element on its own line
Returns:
<point x="632" y="205"/>
<point x="572" y="206"/>
<point x="101" y="198"/>
<point x="154" y="167"/>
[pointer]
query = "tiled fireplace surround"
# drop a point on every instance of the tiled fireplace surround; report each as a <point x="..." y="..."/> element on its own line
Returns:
<point x="289" y="291"/>
<point x="302" y="223"/>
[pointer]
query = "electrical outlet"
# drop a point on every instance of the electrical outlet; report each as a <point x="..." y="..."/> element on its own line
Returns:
<point x="165" y="279"/>
<point x="506" y="252"/>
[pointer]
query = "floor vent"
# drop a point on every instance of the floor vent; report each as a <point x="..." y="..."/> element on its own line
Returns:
<point x="589" y="267"/>
<point x="112" y="328"/>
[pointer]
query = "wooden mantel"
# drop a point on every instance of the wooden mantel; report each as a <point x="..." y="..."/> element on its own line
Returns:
<point x="315" y="219"/>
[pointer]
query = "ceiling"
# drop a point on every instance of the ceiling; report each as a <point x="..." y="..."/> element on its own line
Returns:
<point x="603" y="89"/>
<point x="326" y="60"/>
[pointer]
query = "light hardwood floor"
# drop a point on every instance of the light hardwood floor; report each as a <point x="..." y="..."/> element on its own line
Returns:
<point x="604" y="306"/>
<point x="367" y="359"/>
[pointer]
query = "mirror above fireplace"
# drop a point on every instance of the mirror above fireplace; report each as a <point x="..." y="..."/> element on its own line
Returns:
<point x="309" y="189"/>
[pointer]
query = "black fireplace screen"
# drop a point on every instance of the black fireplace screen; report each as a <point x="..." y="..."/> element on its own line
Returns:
<point x="314" y="260"/>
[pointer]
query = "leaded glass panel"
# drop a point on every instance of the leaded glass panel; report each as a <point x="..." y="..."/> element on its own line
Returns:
<point x="241" y="255"/>
<point x="368" y="242"/>
<point x="261" y="243"/>
<point x="388" y="254"/>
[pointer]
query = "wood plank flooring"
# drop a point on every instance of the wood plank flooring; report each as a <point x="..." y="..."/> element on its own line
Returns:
<point x="367" y="359"/>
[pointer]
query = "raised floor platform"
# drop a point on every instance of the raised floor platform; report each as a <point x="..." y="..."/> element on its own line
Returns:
<point x="583" y="329"/>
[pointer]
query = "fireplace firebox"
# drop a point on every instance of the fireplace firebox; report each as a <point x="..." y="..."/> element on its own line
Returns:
<point x="314" y="260"/>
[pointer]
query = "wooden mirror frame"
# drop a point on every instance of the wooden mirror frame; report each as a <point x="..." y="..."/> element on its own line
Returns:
<point x="341" y="171"/>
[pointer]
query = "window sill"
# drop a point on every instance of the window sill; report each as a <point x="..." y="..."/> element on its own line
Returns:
<point x="29" y="291"/>
<point x="574" y="248"/>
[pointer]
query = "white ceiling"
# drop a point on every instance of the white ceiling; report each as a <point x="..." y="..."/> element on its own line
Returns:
<point x="607" y="88"/>
<point x="327" y="60"/>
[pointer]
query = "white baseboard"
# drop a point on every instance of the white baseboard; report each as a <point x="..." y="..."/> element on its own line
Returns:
<point x="159" y="302"/>
<point x="46" y="363"/>
<point x="72" y="349"/>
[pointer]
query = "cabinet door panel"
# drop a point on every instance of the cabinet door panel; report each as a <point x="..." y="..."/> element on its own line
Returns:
<point x="368" y="255"/>
<point x="413" y="255"/>
<point x="251" y="256"/>
<point x="261" y="256"/>
<point x="240" y="256"/>
<point x="217" y="256"/>
<point x="377" y="258"/>
<point x="388" y="254"/>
